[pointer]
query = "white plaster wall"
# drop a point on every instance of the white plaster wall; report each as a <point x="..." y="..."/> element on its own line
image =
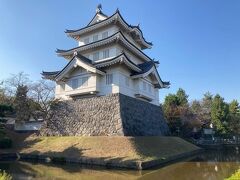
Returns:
<point x="112" y="52"/>
<point x="110" y="88"/>
<point x="97" y="83"/>
<point x="119" y="85"/>
<point x="76" y="74"/>
<point x="111" y="30"/>
<point x="130" y="55"/>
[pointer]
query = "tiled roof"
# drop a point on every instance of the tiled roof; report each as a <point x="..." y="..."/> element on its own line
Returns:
<point x="144" y="67"/>
<point x="117" y="12"/>
<point x="59" y="51"/>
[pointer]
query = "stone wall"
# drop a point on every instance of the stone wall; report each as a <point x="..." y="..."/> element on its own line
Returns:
<point x="114" y="114"/>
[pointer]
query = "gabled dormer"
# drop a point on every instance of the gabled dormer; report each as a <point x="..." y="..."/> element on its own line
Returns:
<point x="99" y="16"/>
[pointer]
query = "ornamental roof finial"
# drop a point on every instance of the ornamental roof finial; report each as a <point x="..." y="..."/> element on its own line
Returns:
<point x="75" y="53"/>
<point x="99" y="8"/>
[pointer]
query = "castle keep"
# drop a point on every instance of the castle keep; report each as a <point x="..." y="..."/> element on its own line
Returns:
<point x="109" y="86"/>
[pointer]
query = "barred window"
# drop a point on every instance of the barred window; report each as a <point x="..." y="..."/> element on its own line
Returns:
<point x="86" y="41"/>
<point x="104" y="34"/>
<point x="95" y="37"/>
<point x="106" y="53"/>
<point x="109" y="79"/>
<point x="95" y="56"/>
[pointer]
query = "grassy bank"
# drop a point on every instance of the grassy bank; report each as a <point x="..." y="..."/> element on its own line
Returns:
<point x="124" y="148"/>
<point x="102" y="150"/>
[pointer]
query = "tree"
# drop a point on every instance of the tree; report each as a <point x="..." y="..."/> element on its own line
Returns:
<point x="206" y="109"/>
<point x="42" y="95"/>
<point x="171" y="113"/>
<point x="234" y="107"/>
<point x="176" y="111"/>
<point x="196" y="107"/>
<point x="219" y="114"/>
<point x="197" y="111"/>
<point x="14" y="81"/>
<point x="234" y="117"/>
<point x="4" y="99"/>
<point x="182" y="97"/>
<point x="21" y="104"/>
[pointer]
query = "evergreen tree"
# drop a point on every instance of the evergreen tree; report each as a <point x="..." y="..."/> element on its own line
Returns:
<point x="196" y="107"/>
<point x="182" y="97"/>
<point x="234" y="117"/>
<point x="176" y="110"/>
<point x="206" y="108"/>
<point x="21" y="104"/>
<point x="171" y="114"/>
<point x="219" y="114"/>
<point x="234" y="107"/>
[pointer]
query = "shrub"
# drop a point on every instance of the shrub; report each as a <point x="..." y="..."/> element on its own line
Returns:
<point x="4" y="175"/>
<point x="5" y="143"/>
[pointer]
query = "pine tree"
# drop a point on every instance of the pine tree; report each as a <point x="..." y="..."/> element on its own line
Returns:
<point x="206" y="108"/>
<point x="234" y="107"/>
<point x="234" y="117"/>
<point x="182" y="97"/>
<point x="21" y="104"/>
<point x="219" y="114"/>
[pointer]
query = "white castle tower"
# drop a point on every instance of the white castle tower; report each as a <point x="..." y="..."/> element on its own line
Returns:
<point x="109" y="59"/>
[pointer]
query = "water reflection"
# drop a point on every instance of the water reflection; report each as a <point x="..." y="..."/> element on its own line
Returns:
<point x="211" y="165"/>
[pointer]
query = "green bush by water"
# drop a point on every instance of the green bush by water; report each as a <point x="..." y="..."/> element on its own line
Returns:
<point x="4" y="175"/>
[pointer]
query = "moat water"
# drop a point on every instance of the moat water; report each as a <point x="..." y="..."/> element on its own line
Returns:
<point x="210" y="165"/>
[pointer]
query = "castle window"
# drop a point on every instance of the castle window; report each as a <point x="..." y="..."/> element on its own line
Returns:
<point x="85" y="81"/>
<point x="86" y="40"/>
<point x="104" y="34"/>
<point x="74" y="83"/>
<point x="126" y="81"/>
<point x="106" y="53"/>
<point x="96" y="56"/>
<point x="95" y="37"/>
<point x="109" y="79"/>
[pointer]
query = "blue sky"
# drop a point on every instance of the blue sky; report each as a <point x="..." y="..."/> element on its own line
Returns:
<point x="196" y="41"/>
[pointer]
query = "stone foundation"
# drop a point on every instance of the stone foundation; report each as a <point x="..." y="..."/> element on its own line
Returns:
<point x="110" y="115"/>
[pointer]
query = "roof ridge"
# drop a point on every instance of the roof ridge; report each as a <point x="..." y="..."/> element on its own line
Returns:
<point x="108" y="17"/>
<point x="118" y="32"/>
